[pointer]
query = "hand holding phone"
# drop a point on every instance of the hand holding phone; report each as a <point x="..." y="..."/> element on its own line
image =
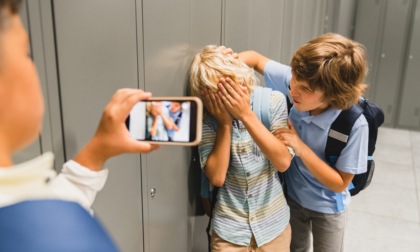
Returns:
<point x="167" y="120"/>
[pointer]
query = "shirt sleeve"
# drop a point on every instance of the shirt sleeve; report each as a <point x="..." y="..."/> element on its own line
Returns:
<point x="79" y="183"/>
<point x="207" y="141"/>
<point x="277" y="76"/>
<point x="353" y="158"/>
<point x="278" y="112"/>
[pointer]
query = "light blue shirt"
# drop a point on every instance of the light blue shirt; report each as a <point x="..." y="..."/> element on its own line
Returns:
<point x="302" y="186"/>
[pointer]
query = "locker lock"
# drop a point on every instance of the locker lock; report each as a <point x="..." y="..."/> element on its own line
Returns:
<point x="153" y="192"/>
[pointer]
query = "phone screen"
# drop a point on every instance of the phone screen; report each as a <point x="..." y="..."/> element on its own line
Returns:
<point x="167" y="120"/>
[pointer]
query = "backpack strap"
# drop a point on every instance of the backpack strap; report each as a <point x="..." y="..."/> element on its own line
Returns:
<point x="261" y="105"/>
<point x="339" y="133"/>
<point x="289" y="99"/>
<point x="338" y="136"/>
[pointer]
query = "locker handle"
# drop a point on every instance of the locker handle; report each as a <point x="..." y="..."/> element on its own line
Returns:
<point x="153" y="192"/>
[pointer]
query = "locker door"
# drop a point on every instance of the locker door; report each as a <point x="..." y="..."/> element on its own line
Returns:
<point x="205" y="22"/>
<point x="251" y="25"/>
<point x="271" y="27"/>
<point x="34" y="149"/>
<point x="304" y="20"/>
<point x="97" y="54"/>
<point x="368" y="31"/>
<point x="254" y="25"/>
<point x="169" y="214"/>
<point x="342" y="16"/>
<point x="391" y="58"/>
<point x="37" y="19"/>
<point x="409" y="115"/>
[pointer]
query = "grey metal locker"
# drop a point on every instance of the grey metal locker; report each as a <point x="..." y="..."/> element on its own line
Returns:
<point x="271" y="27"/>
<point x="368" y="31"/>
<point x="169" y="44"/>
<point x="37" y="19"/>
<point x="304" y="20"/>
<point x="34" y="149"/>
<point x="205" y="27"/>
<point x="97" y="54"/>
<point x="409" y="113"/>
<point x="391" y="50"/>
<point x="205" y="24"/>
<point x="251" y="25"/>
<point x="342" y="15"/>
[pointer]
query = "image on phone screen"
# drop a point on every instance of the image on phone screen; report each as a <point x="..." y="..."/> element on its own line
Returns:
<point x="165" y="121"/>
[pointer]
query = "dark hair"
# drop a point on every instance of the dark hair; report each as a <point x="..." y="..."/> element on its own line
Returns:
<point x="335" y="65"/>
<point x="12" y="5"/>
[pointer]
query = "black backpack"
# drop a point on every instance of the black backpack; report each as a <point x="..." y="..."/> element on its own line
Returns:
<point x="340" y="131"/>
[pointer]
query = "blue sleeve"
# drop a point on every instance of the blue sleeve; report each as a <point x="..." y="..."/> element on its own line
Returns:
<point x="353" y="158"/>
<point x="277" y="76"/>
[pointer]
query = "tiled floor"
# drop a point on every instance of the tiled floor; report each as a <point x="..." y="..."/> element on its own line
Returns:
<point x="386" y="216"/>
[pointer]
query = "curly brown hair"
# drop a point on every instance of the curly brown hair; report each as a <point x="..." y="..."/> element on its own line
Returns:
<point x="334" y="65"/>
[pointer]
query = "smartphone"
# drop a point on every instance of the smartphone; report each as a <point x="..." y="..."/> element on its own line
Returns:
<point x="167" y="120"/>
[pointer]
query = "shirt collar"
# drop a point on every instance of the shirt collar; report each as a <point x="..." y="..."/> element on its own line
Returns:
<point x="323" y="120"/>
<point x="25" y="177"/>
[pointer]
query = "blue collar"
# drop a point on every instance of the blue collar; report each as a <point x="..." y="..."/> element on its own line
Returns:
<point x="323" y="120"/>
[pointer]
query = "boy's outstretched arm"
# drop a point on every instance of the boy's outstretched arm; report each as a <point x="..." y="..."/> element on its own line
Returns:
<point x="334" y="179"/>
<point x="112" y="137"/>
<point x="254" y="59"/>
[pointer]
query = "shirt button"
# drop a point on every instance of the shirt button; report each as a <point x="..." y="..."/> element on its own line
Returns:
<point x="249" y="195"/>
<point x="248" y="174"/>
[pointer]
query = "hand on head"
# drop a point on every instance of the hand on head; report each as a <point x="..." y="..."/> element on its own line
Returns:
<point x="215" y="107"/>
<point x="156" y="108"/>
<point x="235" y="97"/>
<point x="228" y="51"/>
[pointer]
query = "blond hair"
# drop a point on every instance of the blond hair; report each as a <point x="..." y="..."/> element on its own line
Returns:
<point x="335" y="65"/>
<point x="211" y="64"/>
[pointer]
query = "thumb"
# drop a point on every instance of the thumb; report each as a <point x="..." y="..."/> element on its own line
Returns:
<point x="142" y="147"/>
<point x="290" y="124"/>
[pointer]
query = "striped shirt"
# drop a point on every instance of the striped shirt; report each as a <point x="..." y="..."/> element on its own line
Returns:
<point x="251" y="201"/>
